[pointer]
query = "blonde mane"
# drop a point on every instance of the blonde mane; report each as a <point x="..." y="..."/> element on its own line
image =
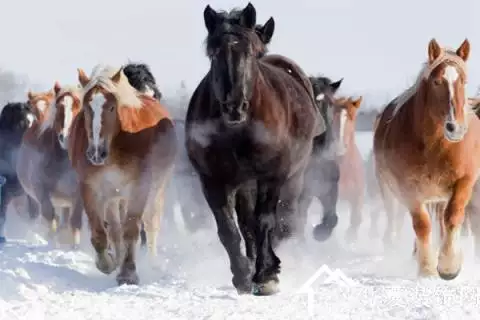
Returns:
<point x="52" y="111"/>
<point x="126" y="95"/>
<point x="447" y="55"/>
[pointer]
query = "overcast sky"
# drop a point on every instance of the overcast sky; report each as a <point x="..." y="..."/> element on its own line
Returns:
<point x="376" y="45"/>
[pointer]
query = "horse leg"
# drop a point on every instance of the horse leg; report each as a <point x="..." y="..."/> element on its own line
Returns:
<point x="356" y="205"/>
<point x="328" y="197"/>
<point x="450" y="258"/>
<point x="391" y="209"/>
<point x="151" y="222"/>
<point x="220" y="199"/>
<point x="32" y="207"/>
<point x="48" y="212"/>
<point x="423" y="228"/>
<point x="5" y="199"/>
<point x="76" y="222"/>
<point x="374" y="217"/>
<point x="94" y="207"/>
<point x="245" y="208"/>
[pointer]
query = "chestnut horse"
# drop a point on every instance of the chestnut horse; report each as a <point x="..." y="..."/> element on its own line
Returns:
<point x="427" y="149"/>
<point x="123" y="148"/>
<point x="44" y="169"/>
<point x="352" y="173"/>
<point x="249" y="132"/>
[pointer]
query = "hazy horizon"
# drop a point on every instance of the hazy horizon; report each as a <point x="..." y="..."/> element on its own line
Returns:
<point x="376" y="46"/>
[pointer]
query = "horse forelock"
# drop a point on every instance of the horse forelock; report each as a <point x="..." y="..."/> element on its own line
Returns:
<point x="228" y="23"/>
<point x="447" y="56"/>
<point x="125" y="94"/>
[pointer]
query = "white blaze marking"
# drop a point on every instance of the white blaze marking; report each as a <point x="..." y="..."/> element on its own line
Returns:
<point x="30" y="119"/>
<point x="98" y="100"/>
<point x="320" y="97"/>
<point x="42" y="105"/>
<point x="343" y="121"/>
<point x="451" y="75"/>
<point x="67" y="120"/>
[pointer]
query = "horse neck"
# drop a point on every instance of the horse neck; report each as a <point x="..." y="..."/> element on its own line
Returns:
<point x="425" y="121"/>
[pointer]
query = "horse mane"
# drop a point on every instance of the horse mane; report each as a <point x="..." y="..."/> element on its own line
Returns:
<point x="447" y="55"/>
<point x="126" y="95"/>
<point x="52" y="111"/>
<point x="136" y="111"/>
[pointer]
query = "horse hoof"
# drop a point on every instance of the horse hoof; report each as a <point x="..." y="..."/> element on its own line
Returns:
<point x="322" y="232"/>
<point x="130" y="278"/>
<point x="244" y="288"/>
<point x="266" y="289"/>
<point x="448" y="276"/>
<point x="3" y="240"/>
<point x="105" y="263"/>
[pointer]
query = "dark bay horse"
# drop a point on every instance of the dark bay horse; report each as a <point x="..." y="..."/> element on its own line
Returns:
<point x="15" y="119"/>
<point x="123" y="148"/>
<point x="352" y="173"/>
<point x="249" y="133"/>
<point x="427" y="149"/>
<point x="44" y="169"/>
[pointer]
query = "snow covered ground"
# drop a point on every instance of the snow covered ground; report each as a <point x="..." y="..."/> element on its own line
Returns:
<point x="191" y="280"/>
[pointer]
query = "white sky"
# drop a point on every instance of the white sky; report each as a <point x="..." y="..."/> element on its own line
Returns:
<point x="376" y="45"/>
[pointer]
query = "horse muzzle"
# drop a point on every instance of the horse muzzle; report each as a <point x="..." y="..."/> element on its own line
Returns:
<point x="97" y="155"/>
<point x="63" y="141"/>
<point x="453" y="131"/>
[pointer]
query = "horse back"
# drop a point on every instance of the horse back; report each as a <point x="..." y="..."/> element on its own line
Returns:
<point x="296" y="72"/>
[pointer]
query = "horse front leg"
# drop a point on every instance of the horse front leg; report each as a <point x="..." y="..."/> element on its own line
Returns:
<point x="329" y="198"/>
<point x="423" y="229"/>
<point x="267" y="265"/>
<point x="95" y="210"/>
<point x="245" y="207"/>
<point x="220" y="198"/>
<point x="5" y="199"/>
<point x="450" y="258"/>
<point x="356" y="206"/>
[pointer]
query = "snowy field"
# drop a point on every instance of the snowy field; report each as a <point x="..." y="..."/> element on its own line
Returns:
<point x="191" y="280"/>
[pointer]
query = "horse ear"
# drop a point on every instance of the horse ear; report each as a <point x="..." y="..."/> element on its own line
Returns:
<point x="57" y="88"/>
<point x="210" y="18"/>
<point x="335" y="85"/>
<point x="464" y="50"/>
<point x="82" y="77"/>
<point x="267" y="31"/>
<point x="434" y="50"/>
<point x="133" y="120"/>
<point x="117" y="76"/>
<point x="358" y="102"/>
<point x="30" y="95"/>
<point x="248" y="18"/>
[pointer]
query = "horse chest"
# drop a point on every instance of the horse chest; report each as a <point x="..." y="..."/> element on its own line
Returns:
<point x="114" y="181"/>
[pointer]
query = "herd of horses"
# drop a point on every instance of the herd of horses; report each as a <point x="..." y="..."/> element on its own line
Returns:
<point x="262" y="139"/>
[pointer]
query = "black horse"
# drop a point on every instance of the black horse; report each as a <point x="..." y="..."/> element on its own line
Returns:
<point x="141" y="78"/>
<point x="15" y="119"/>
<point x="249" y="134"/>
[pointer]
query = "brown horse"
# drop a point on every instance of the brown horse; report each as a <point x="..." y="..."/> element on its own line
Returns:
<point x="44" y="169"/>
<point x="249" y="134"/>
<point x="123" y="147"/>
<point x="427" y="149"/>
<point x="352" y="175"/>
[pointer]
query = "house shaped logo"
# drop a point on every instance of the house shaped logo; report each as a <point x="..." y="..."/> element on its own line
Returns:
<point x="333" y="277"/>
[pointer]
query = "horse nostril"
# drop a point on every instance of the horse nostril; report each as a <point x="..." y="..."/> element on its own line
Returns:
<point x="103" y="154"/>
<point x="450" y="127"/>
<point x="60" y="137"/>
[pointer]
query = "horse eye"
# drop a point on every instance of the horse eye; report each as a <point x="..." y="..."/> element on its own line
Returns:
<point x="438" y="82"/>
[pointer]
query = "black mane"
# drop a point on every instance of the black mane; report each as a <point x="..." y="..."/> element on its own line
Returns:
<point x="140" y="76"/>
